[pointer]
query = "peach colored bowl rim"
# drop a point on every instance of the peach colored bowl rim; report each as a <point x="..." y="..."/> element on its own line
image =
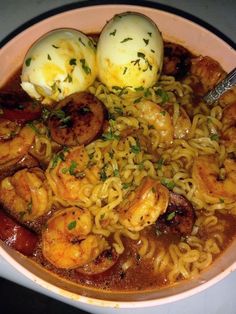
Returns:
<point x="119" y="304"/>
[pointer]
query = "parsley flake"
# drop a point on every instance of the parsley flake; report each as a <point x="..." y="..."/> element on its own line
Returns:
<point x="168" y="183"/>
<point x="113" y="33"/>
<point x="214" y="137"/>
<point x="85" y="66"/>
<point x="73" y="61"/>
<point x="28" y="61"/>
<point x="126" y="39"/>
<point x="71" y="225"/>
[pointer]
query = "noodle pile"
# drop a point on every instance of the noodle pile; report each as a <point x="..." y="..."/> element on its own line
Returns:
<point x="132" y="149"/>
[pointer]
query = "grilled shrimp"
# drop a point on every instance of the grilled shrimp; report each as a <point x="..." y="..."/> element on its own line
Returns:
<point x="67" y="241"/>
<point x="158" y="118"/>
<point x="208" y="71"/>
<point x="68" y="175"/>
<point x="78" y="119"/>
<point x="182" y="123"/>
<point x="143" y="206"/>
<point x="17" y="147"/>
<point x="206" y="176"/>
<point x="229" y="126"/>
<point x="26" y="195"/>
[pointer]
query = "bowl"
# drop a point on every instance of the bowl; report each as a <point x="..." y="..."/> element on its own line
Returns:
<point x="91" y="20"/>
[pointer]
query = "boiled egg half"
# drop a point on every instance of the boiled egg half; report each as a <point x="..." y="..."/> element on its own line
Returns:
<point x="129" y="52"/>
<point x="60" y="63"/>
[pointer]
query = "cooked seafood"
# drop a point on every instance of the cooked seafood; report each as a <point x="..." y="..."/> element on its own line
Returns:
<point x="67" y="241"/>
<point x="142" y="207"/>
<point x="17" y="147"/>
<point x="126" y="188"/>
<point x="212" y="185"/>
<point x="26" y="194"/>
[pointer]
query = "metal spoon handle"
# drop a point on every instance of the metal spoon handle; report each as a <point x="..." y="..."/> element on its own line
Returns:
<point x="227" y="83"/>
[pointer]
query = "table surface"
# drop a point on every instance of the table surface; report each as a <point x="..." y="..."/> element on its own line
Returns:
<point x="218" y="299"/>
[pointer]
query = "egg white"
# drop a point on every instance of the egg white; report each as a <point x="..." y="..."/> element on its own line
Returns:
<point x="129" y="52"/>
<point x="58" y="64"/>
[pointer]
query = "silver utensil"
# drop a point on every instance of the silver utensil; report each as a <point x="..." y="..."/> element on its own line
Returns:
<point x="227" y="83"/>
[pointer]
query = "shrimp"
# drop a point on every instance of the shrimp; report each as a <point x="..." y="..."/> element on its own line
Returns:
<point x="205" y="175"/>
<point x="229" y="126"/>
<point x="67" y="241"/>
<point x="208" y="71"/>
<point x="26" y="194"/>
<point x="181" y="123"/>
<point x="144" y="205"/>
<point x="157" y="117"/>
<point x="16" y="148"/>
<point x="70" y="177"/>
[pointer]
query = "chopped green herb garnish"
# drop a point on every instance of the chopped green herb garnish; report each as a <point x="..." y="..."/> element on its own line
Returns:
<point x="141" y="166"/>
<point x="58" y="157"/>
<point x="72" y="225"/>
<point x="110" y="136"/>
<point x="68" y="78"/>
<point x="126" y="39"/>
<point x="54" y="46"/>
<point x="102" y="216"/>
<point x="125" y="70"/>
<point x="113" y="33"/>
<point x="146" y="41"/>
<point x="141" y="55"/>
<point x="103" y="175"/>
<point x="85" y="66"/>
<point x="163" y="112"/>
<point x="214" y="137"/>
<point x="168" y="183"/>
<point x="221" y="200"/>
<point x="163" y="94"/>
<point x="72" y="167"/>
<point x="137" y="100"/>
<point x="153" y="51"/>
<point x="29" y="207"/>
<point x="150" y="34"/>
<point x="81" y="41"/>
<point x="126" y="185"/>
<point x="64" y="170"/>
<point x="116" y="173"/>
<point x="139" y="89"/>
<point x="160" y="163"/>
<point x="136" y="148"/>
<point x="33" y="127"/>
<point x="28" y="61"/>
<point x="49" y="57"/>
<point x="119" y="110"/>
<point x="73" y="61"/>
<point x="170" y="216"/>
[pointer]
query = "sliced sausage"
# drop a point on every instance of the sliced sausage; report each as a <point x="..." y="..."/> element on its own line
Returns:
<point x="179" y="217"/>
<point x="16" y="236"/>
<point x="176" y="60"/>
<point x="78" y="119"/>
<point x="15" y="107"/>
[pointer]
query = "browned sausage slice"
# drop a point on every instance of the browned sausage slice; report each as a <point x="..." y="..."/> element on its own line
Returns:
<point x="179" y="217"/>
<point x="16" y="236"/>
<point x="78" y="119"/>
<point x="176" y="60"/>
